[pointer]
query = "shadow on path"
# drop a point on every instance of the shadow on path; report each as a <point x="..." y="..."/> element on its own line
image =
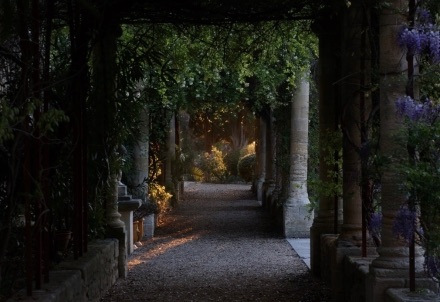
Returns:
<point x="217" y="245"/>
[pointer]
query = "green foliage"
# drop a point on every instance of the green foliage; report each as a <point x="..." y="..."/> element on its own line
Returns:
<point x="8" y="117"/>
<point x="331" y="156"/>
<point x="159" y="197"/>
<point x="214" y="71"/>
<point x="246" y="167"/>
<point x="421" y="174"/>
<point x="213" y="166"/>
<point x="231" y="161"/>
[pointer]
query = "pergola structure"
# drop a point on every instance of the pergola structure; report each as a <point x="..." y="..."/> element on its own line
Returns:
<point x="345" y="65"/>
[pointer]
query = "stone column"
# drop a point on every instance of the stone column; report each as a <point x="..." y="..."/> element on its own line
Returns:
<point x="171" y="154"/>
<point x="269" y="183"/>
<point x="354" y="52"/>
<point x="328" y="30"/>
<point x="296" y="222"/>
<point x="261" y="158"/>
<point x="139" y="174"/>
<point x="115" y="226"/>
<point x="103" y="94"/>
<point x="352" y="92"/>
<point x="391" y="268"/>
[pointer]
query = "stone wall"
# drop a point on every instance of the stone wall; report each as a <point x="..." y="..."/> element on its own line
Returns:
<point x="85" y="279"/>
<point x="355" y="273"/>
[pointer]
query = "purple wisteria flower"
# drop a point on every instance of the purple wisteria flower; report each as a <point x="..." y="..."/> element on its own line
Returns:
<point x="415" y="111"/>
<point x="375" y="224"/>
<point x="433" y="45"/>
<point x="404" y="224"/>
<point x="422" y="38"/>
<point x="410" y="39"/>
<point x="423" y="16"/>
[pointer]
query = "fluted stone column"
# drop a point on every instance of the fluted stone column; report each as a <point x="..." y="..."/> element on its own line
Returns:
<point x="261" y="158"/>
<point x="391" y="268"/>
<point x="296" y="222"/>
<point x="328" y="30"/>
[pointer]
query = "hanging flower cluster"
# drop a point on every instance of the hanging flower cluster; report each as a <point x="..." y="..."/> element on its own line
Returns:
<point x="375" y="224"/>
<point x="422" y="170"/>
<point x="404" y="223"/>
<point x="423" y="38"/>
<point x="426" y="111"/>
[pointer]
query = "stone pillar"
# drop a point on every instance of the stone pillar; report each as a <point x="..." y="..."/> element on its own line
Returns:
<point x="296" y="220"/>
<point x="261" y="158"/>
<point x="126" y="208"/>
<point x="139" y="174"/>
<point x="115" y="226"/>
<point x="171" y="154"/>
<point x="269" y="183"/>
<point x="391" y="268"/>
<point x="328" y="30"/>
<point x="103" y="122"/>
<point x="353" y="77"/>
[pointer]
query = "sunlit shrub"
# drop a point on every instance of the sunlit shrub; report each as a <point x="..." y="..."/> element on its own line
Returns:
<point x="159" y="197"/>
<point x="213" y="166"/>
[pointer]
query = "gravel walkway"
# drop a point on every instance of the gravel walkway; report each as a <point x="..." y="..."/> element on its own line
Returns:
<point x="217" y="245"/>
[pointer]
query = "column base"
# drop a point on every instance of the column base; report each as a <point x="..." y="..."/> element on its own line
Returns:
<point x="337" y="268"/>
<point x="297" y="221"/>
<point x="320" y="227"/>
<point x="268" y="188"/>
<point x="121" y="236"/>
<point x="259" y="189"/>
<point x="388" y="273"/>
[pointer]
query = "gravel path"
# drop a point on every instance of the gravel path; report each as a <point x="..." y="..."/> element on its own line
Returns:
<point x="217" y="245"/>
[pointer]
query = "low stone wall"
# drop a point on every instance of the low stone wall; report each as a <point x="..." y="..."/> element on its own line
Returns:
<point x="328" y="245"/>
<point x="351" y="286"/>
<point x="85" y="279"/>
<point x="404" y="295"/>
<point x="355" y="275"/>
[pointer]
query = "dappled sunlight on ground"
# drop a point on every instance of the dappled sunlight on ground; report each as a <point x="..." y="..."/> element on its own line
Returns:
<point x="217" y="245"/>
<point x="158" y="246"/>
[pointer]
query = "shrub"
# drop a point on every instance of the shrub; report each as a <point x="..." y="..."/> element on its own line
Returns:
<point x="246" y="167"/>
<point x="231" y="161"/>
<point x="213" y="166"/>
<point x="159" y="197"/>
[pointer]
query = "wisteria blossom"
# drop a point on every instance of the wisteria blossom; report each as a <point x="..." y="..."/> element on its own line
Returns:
<point x="423" y="16"/>
<point x="375" y="224"/>
<point x="422" y="38"/>
<point x="404" y="224"/>
<point x="425" y="111"/>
